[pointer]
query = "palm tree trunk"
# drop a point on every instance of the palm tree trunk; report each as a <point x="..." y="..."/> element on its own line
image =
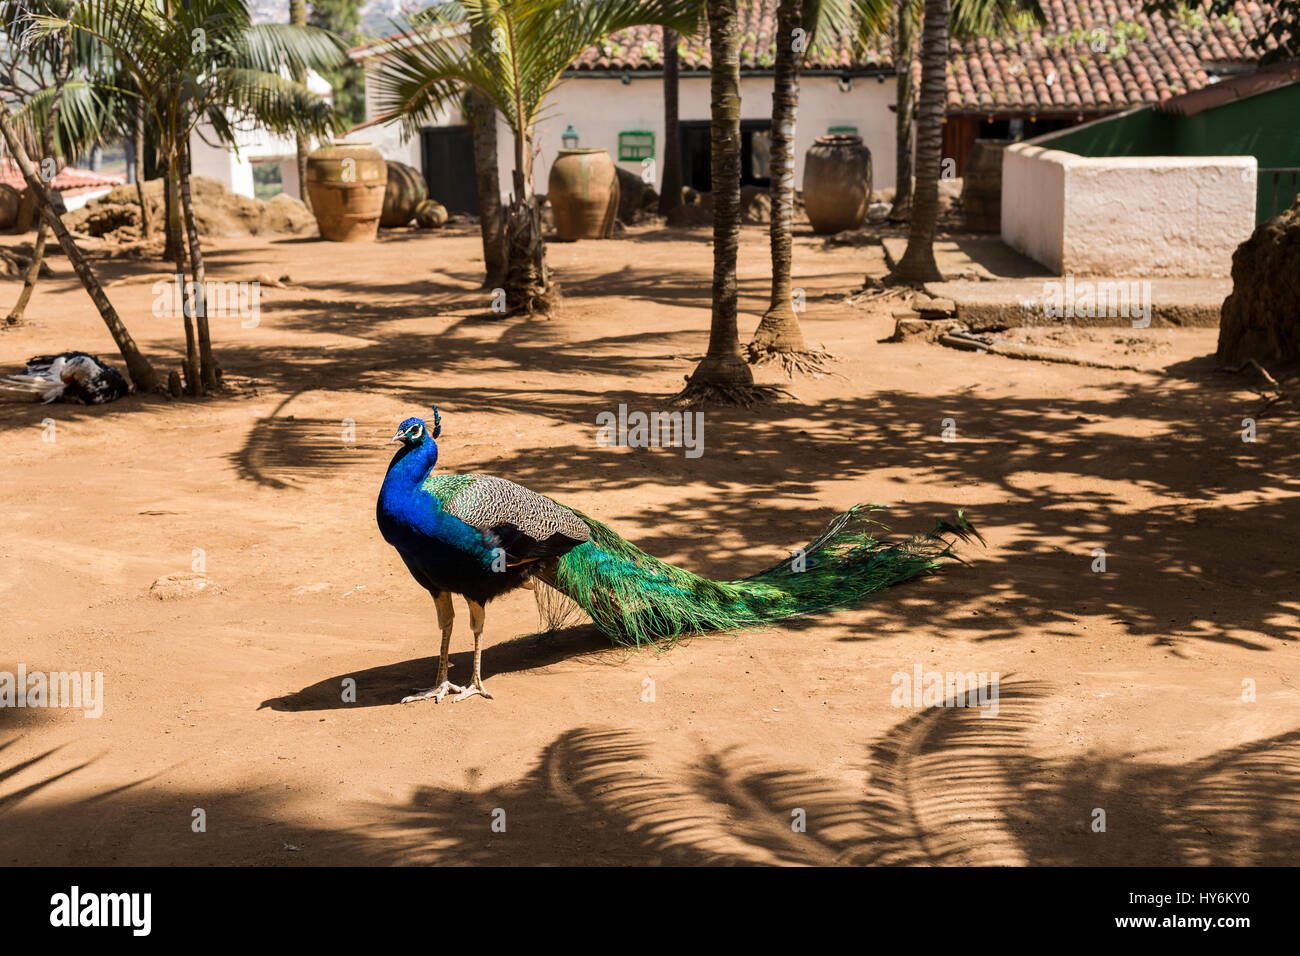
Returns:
<point x="670" y="194"/>
<point x="904" y="51"/>
<point x="173" y="243"/>
<point x="16" y="314"/>
<point x="298" y="17"/>
<point x="528" y="286"/>
<point x="137" y="366"/>
<point x="722" y="375"/>
<point x="146" y="220"/>
<point x="917" y="264"/>
<point x="482" y="116"/>
<point x="175" y="250"/>
<point x="778" y="336"/>
<point x="207" y="364"/>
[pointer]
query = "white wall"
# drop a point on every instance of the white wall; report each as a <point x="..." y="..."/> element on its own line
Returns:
<point x="235" y="168"/>
<point x="599" y="108"/>
<point x="1033" y="202"/>
<point x="1127" y="215"/>
<point x="387" y="138"/>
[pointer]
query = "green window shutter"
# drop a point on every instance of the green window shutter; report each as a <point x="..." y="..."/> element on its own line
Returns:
<point x="635" y="145"/>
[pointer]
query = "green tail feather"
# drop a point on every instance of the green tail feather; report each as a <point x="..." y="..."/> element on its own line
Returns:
<point x="636" y="598"/>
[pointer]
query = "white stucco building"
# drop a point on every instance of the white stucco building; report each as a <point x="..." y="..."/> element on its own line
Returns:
<point x="234" y="167"/>
<point x="613" y="99"/>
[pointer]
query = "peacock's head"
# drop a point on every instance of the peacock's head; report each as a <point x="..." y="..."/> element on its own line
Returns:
<point x="414" y="432"/>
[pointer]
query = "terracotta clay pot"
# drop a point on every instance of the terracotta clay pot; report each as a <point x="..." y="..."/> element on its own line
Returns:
<point x="836" y="183"/>
<point x="346" y="183"/>
<point x="430" y="214"/>
<point x="10" y="201"/>
<point x="583" y="190"/>
<point x="405" y="191"/>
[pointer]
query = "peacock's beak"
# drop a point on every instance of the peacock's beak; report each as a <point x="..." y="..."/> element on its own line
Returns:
<point x="396" y="439"/>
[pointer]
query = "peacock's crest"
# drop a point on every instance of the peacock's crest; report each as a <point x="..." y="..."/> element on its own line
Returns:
<point x="437" y="423"/>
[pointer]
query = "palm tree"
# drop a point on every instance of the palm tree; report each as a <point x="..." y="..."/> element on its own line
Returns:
<point x="722" y="375"/>
<point x="778" y="336"/>
<point x="482" y="117"/>
<point x="970" y="18"/>
<point x="670" y="195"/>
<point x="533" y="43"/>
<point x="904" y="48"/>
<point x="141" y="372"/>
<point x="206" y="60"/>
<point x="298" y="17"/>
<point x="36" y="76"/>
<point x="917" y="264"/>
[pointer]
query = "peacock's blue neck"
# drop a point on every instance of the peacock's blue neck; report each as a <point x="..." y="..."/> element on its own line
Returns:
<point x="412" y="464"/>
<point x="401" y="491"/>
<point x="411" y="517"/>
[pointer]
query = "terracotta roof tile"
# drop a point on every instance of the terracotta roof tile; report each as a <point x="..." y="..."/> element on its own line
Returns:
<point x="68" y="179"/>
<point x="1141" y="58"/>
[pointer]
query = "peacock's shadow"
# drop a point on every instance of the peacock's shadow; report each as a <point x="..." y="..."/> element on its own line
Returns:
<point x="388" y="683"/>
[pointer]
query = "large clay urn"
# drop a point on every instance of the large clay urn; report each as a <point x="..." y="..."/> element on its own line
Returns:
<point x="10" y="202"/>
<point x="346" y="182"/>
<point x="836" y="183"/>
<point x="405" y="191"/>
<point x="583" y="190"/>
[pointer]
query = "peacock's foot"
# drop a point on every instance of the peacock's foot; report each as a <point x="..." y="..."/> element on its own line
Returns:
<point x="471" y="691"/>
<point x="435" y="694"/>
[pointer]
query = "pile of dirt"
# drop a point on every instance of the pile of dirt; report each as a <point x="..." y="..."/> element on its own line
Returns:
<point x="218" y="212"/>
<point x="1259" y="319"/>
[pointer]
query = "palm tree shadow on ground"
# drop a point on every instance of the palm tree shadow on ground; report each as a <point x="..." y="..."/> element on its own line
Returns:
<point x="950" y="785"/>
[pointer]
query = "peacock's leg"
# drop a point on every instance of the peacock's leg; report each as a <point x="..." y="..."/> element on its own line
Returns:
<point x="476" y="625"/>
<point x="446" y="615"/>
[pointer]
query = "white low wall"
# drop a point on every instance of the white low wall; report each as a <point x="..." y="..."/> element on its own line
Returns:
<point x="1127" y="215"/>
<point x="1033" y="203"/>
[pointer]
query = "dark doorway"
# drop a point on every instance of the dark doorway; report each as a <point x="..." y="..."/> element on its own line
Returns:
<point x="960" y="132"/>
<point x="697" y="153"/>
<point x="448" y="160"/>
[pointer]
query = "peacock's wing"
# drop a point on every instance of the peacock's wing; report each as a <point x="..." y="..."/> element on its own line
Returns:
<point x="527" y="526"/>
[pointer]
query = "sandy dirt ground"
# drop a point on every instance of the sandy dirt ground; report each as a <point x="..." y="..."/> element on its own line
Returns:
<point x="1147" y="713"/>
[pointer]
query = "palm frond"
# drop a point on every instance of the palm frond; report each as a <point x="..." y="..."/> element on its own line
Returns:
<point x="514" y="52"/>
<point x="983" y="18"/>
<point x="272" y="47"/>
<point x="82" y="115"/>
<point x="273" y="102"/>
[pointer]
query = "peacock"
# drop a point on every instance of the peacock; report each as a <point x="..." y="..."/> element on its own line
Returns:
<point x="481" y="536"/>
<point x="67" y="377"/>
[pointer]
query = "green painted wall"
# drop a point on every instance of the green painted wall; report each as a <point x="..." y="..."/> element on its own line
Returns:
<point x="1266" y="126"/>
